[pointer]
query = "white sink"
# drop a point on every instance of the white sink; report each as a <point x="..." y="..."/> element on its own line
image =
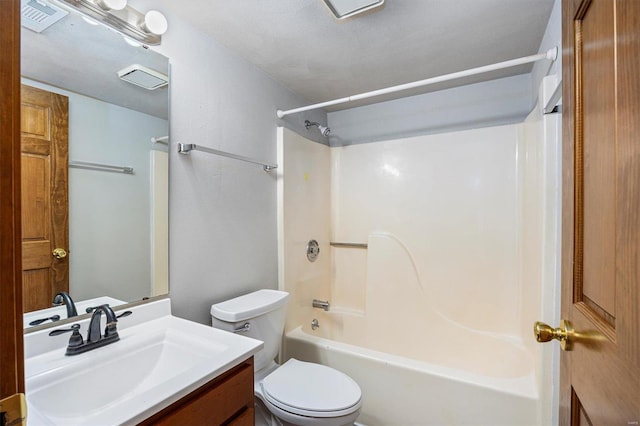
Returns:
<point x="154" y="364"/>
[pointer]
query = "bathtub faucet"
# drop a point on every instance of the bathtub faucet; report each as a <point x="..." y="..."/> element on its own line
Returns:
<point x="322" y="304"/>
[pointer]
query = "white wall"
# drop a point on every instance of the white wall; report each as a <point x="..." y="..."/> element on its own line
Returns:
<point x="109" y="213"/>
<point x="222" y="233"/>
<point x="451" y="200"/>
<point x="304" y="213"/>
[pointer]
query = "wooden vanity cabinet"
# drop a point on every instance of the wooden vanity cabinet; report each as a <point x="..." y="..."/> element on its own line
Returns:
<point x="225" y="400"/>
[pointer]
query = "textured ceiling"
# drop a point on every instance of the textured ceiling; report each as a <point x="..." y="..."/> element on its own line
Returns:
<point x="85" y="59"/>
<point x="301" y="44"/>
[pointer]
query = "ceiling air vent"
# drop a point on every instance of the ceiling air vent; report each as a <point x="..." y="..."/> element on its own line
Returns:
<point x="38" y="15"/>
<point x="143" y="77"/>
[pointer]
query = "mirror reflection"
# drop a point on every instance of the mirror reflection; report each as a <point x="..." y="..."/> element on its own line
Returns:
<point x="94" y="169"/>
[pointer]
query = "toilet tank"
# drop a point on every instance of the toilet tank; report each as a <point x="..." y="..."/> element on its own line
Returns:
<point x="264" y="312"/>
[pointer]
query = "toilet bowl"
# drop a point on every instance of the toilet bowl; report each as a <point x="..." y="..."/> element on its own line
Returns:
<point x="296" y="392"/>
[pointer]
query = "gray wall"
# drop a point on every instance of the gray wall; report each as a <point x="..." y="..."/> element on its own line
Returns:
<point x="491" y="103"/>
<point x="222" y="216"/>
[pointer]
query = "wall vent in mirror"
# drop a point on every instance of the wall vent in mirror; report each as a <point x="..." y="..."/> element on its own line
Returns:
<point x="143" y="77"/>
<point x="39" y="15"/>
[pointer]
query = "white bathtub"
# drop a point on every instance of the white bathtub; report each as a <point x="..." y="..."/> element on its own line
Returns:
<point x="484" y="382"/>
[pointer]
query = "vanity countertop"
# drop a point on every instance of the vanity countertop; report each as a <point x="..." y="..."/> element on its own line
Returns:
<point x="159" y="359"/>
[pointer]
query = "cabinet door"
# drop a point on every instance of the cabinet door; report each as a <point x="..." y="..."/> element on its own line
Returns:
<point x="226" y="400"/>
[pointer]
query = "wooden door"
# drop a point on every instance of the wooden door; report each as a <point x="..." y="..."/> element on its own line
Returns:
<point x="45" y="223"/>
<point x="11" y="349"/>
<point x="600" y="377"/>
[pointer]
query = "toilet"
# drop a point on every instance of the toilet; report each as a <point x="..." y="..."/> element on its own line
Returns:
<point x="296" y="392"/>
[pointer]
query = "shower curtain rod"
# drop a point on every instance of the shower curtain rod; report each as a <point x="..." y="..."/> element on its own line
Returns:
<point x="551" y="54"/>
<point x="185" y="148"/>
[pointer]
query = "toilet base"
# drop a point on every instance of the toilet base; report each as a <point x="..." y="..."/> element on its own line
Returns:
<point x="270" y="415"/>
<point x="263" y="415"/>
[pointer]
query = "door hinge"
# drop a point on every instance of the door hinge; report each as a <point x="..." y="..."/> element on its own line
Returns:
<point x="13" y="410"/>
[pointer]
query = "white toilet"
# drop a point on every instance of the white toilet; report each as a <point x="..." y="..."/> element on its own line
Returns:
<point x="296" y="393"/>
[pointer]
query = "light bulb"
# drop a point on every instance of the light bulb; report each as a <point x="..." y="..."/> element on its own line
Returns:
<point x="155" y="23"/>
<point x="112" y="4"/>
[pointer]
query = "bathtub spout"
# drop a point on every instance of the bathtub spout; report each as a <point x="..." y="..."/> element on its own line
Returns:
<point x="322" y="304"/>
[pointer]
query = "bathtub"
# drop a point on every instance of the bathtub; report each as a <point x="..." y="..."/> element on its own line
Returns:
<point x="473" y="379"/>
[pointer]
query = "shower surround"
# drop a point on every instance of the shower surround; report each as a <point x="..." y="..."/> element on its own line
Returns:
<point x="440" y="304"/>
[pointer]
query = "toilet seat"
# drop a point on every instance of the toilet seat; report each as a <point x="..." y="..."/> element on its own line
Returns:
<point x="311" y="390"/>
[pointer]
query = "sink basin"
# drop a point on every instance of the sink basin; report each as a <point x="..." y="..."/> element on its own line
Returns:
<point x="154" y="364"/>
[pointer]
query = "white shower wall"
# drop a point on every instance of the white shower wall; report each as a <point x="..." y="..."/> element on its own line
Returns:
<point x="462" y="252"/>
<point x="452" y="200"/>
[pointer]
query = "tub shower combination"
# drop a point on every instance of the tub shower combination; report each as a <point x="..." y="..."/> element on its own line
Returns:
<point x="428" y="272"/>
<point x="417" y="367"/>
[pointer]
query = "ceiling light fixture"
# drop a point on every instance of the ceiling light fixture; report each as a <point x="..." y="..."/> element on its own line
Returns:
<point x="116" y="14"/>
<point x="343" y="9"/>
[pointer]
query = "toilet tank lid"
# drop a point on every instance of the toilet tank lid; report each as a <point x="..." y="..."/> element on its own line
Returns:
<point x="249" y="305"/>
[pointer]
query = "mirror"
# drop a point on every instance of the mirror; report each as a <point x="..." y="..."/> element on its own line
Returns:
<point x="118" y="222"/>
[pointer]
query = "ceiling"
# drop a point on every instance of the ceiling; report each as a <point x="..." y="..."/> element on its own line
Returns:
<point x="85" y="59"/>
<point x="301" y="44"/>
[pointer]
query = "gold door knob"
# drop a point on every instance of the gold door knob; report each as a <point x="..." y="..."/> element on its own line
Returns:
<point x="565" y="334"/>
<point x="59" y="253"/>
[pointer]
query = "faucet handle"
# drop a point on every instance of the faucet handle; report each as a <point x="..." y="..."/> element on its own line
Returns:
<point x="90" y="309"/>
<point x="112" y="327"/>
<point x="59" y="331"/>
<point x="75" y="339"/>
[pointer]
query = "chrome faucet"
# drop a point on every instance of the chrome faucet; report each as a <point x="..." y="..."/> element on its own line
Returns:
<point x="322" y="304"/>
<point x="95" y="338"/>
<point x="63" y="298"/>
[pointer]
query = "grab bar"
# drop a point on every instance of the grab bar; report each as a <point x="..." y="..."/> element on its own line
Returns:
<point x="350" y="245"/>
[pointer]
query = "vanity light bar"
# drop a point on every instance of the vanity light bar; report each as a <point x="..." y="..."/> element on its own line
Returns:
<point x="126" y="21"/>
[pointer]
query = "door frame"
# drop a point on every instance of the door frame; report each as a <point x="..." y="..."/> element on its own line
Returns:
<point x="11" y="332"/>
